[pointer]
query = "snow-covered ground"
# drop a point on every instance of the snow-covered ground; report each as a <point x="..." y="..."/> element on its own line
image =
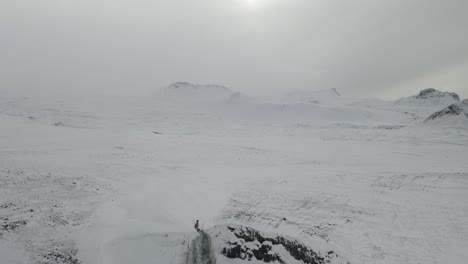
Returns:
<point x="323" y="179"/>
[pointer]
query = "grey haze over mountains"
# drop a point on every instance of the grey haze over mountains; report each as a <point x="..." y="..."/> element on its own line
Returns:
<point x="386" y="49"/>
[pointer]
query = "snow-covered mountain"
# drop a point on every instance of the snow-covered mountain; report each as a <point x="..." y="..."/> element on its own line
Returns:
<point x="119" y="180"/>
<point x="426" y="102"/>
<point x="313" y="97"/>
<point x="177" y="105"/>
<point x="186" y="91"/>
<point x="433" y="93"/>
<point x="429" y="98"/>
<point x="453" y="115"/>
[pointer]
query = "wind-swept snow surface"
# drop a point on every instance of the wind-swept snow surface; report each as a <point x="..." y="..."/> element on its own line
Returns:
<point x="115" y="180"/>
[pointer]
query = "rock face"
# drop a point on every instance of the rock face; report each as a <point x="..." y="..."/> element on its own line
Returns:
<point x="456" y="109"/>
<point x="251" y="244"/>
<point x="433" y="93"/>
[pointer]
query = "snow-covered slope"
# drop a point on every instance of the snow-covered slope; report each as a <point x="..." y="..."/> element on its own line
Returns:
<point x="208" y="104"/>
<point x="458" y="109"/>
<point x="426" y="102"/>
<point x="343" y="180"/>
<point x="455" y="115"/>
<point x="429" y="97"/>
<point x="184" y="91"/>
<point x="315" y="97"/>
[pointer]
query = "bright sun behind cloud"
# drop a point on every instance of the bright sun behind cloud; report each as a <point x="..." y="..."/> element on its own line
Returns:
<point x="253" y="4"/>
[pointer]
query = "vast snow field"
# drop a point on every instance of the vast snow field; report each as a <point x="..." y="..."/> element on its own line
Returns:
<point x="308" y="178"/>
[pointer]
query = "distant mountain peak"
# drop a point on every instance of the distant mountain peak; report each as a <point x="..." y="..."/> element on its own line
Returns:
<point x="190" y="86"/>
<point x="185" y="91"/>
<point x="312" y="96"/>
<point x="429" y="98"/>
<point x="433" y="93"/>
<point x="180" y="84"/>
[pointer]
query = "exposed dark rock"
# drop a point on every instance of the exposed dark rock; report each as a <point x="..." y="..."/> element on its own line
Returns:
<point x="431" y="93"/>
<point x="9" y="226"/>
<point x="66" y="257"/>
<point x="452" y="110"/>
<point x="322" y="230"/>
<point x="7" y="205"/>
<point x="252" y="243"/>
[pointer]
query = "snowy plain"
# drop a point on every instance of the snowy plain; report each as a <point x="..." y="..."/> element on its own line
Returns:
<point x="122" y="179"/>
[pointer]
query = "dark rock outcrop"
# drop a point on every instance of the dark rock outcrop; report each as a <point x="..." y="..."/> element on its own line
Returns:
<point x="433" y="93"/>
<point x="460" y="108"/>
<point x="253" y="244"/>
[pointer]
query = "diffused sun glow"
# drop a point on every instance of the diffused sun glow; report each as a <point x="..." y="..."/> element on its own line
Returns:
<point x="253" y="3"/>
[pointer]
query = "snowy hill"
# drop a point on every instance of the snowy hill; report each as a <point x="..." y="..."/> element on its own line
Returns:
<point x="429" y="98"/>
<point x="453" y="115"/>
<point x="433" y="93"/>
<point x="186" y="91"/>
<point x="218" y="104"/>
<point x="426" y="102"/>
<point x="314" y="97"/>
<point x="118" y="180"/>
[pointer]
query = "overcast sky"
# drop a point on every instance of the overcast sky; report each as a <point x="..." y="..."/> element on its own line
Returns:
<point x="383" y="48"/>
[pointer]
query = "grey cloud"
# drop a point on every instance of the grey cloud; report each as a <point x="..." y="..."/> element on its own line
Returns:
<point x="360" y="47"/>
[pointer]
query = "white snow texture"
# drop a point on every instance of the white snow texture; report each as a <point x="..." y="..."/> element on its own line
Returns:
<point x="311" y="177"/>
